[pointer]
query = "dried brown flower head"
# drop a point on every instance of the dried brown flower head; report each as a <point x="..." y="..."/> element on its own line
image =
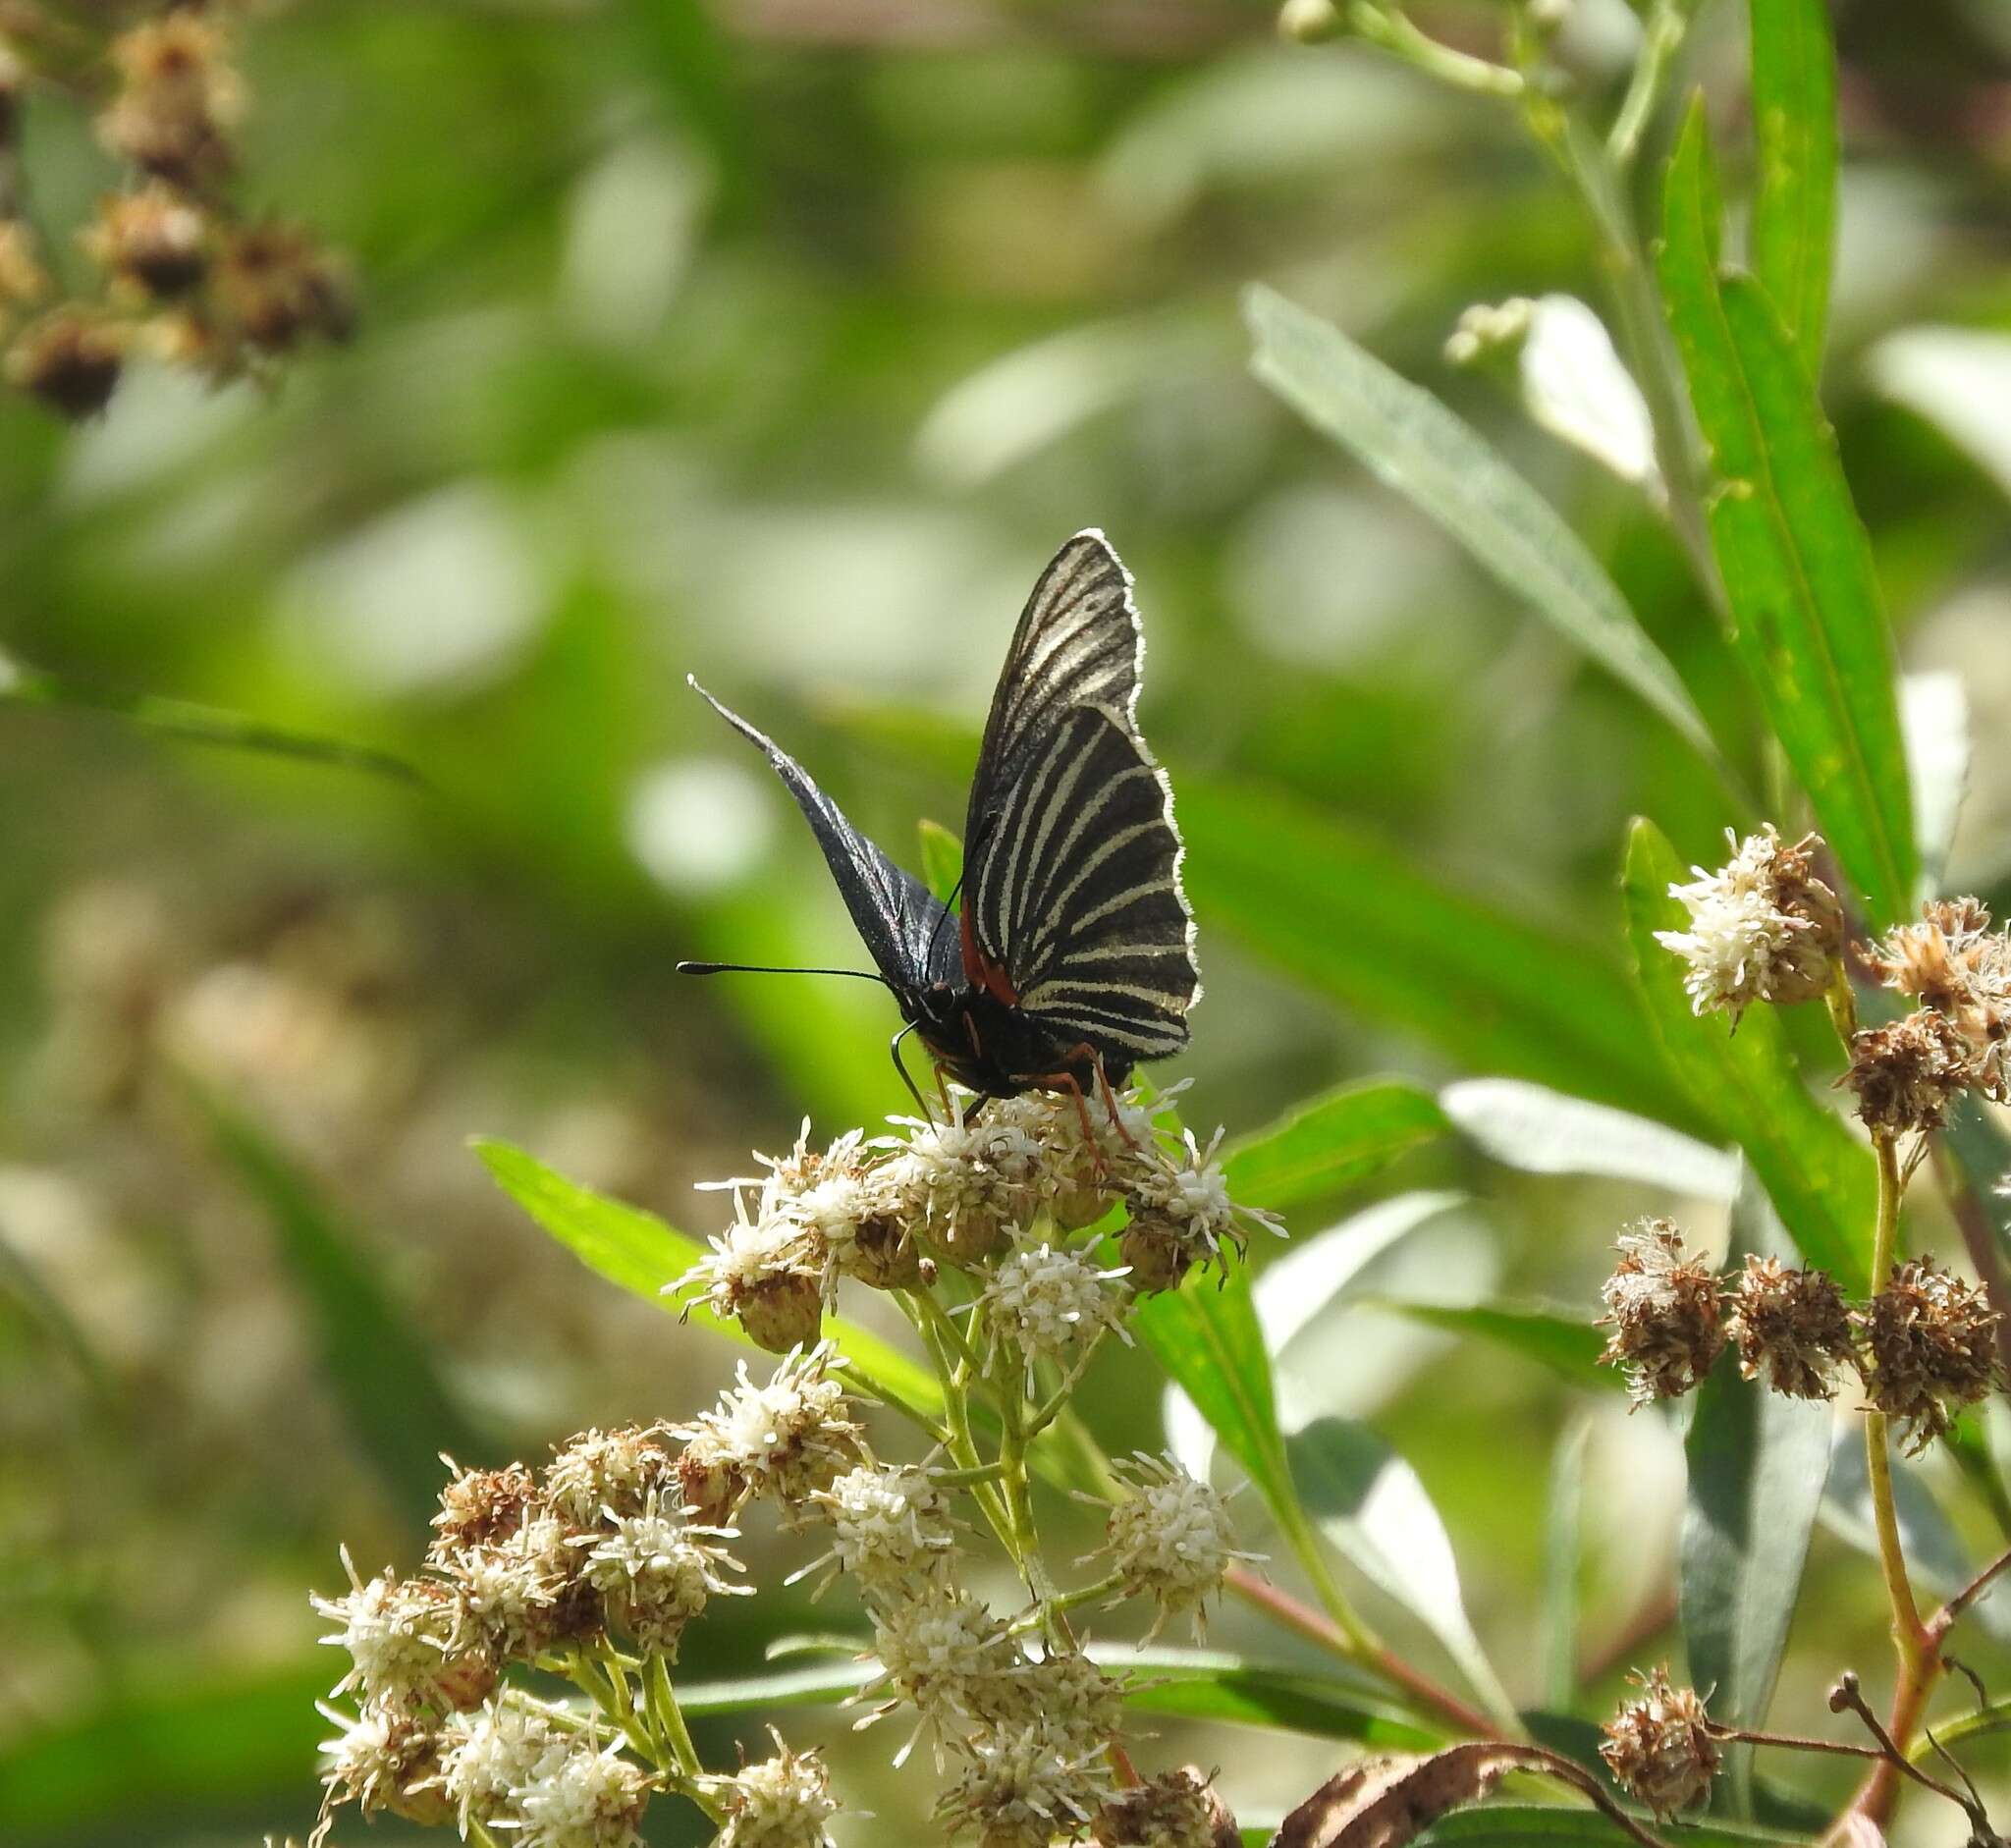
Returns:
<point x="1908" y="1072"/>
<point x="1952" y="962"/>
<point x="1762" y="927"/>
<point x="1789" y="1326"/>
<point x="278" y="288"/>
<point x="480" y="1506"/>
<point x="1928" y="1346"/>
<point x="70" y="359"/>
<point x="1658" y="1746"/>
<point x="177" y="98"/>
<point x="155" y="242"/>
<point x="385" y="1760"/>
<point x="609" y="1472"/>
<point x="1665" y="1310"/>
<point x="23" y="279"/>
<point x="1179" y="1808"/>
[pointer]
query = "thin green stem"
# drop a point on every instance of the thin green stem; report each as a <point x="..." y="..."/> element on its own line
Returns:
<point x="1910" y="1634"/>
<point x="1395" y="33"/>
<point x="861" y="1386"/>
<point x="1667" y="26"/>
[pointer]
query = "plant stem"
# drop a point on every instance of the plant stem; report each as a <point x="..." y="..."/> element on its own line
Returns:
<point x="1397" y="33"/>
<point x="1667" y="26"/>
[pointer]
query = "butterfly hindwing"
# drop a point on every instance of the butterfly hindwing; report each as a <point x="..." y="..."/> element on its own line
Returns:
<point x="905" y="927"/>
<point x="1074" y="894"/>
<point x="1078" y="642"/>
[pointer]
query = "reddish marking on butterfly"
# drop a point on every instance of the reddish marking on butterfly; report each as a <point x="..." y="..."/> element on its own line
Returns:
<point x="980" y="972"/>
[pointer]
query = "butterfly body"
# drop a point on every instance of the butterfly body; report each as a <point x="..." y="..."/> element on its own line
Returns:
<point x="1071" y="957"/>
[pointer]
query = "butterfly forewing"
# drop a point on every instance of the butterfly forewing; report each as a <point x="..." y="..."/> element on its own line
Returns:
<point x="1075" y="893"/>
<point x="904" y="926"/>
<point x="1078" y="642"/>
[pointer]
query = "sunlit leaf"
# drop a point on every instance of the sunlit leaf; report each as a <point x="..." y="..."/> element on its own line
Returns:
<point x="1334" y="1140"/>
<point x="1413" y="443"/>
<point x="1807" y="619"/>
<point x="1568" y="1346"/>
<point x="639" y="1253"/>
<point x="1757" y="1462"/>
<point x="1819" y="1176"/>
<point x="1563" y="1548"/>
<point x="1373" y="1508"/>
<point x="1538" y="1826"/>
<point x="395" y="1400"/>
<point x="942" y="859"/>
<point x="1794" y="195"/>
<point x="1352" y="919"/>
<point x="1933" y="714"/>
<point x="1541" y="1132"/>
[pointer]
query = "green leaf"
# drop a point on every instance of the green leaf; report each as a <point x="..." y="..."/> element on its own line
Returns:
<point x="1331" y="1143"/>
<point x="1794" y="199"/>
<point x="1374" y="1511"/>
<point x="1807" y="620"/>
<point x="1541" y="1132"/>
<point x="1568" y="1345"/>
<point x="177" y="1745"/>
<point x="1757" y="1464"/>
<point x="1819" y="1176"/>
<point x="396" y="1404"/>
<point x="942" y="859"/>
<point x="1412" y="442"/>
<point x="1352" y="919"/>
<point x="639" y="1253"/>
<point x="192" y="724"/>
<point x="1207" y="1336"/>
<point x="1563" y="1549"/>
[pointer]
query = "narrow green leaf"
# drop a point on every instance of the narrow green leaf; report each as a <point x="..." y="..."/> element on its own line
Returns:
<point x="395" y="1400"/>
<point x="1757" y="1464"/>
<point x="1412" y="442"/>
<point x="1568" y="1345"/>
<point x="172" y="1745"/>
<point x="942" y="859"/>
<point x="1541" y="1132"/>
<point x="1563" y="1546"/>
<point x="1794" y="201"/>
<point x="1371" y="1507"/>
<point x="1352" y="919"/>
<point x="192" y="724"/>
<point x="1207" y="1336"/>
<point x="1332" y="1141"/>
<point x="1807" y="620"/>
<point x="639" y="1253"/>
<point x="1819" y="1176"/>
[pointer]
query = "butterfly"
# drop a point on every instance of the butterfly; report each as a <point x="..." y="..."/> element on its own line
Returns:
<point x="1070" y="959"/>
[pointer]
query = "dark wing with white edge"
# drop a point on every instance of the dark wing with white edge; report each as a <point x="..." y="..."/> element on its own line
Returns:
<point x="1075" y="895"/>
<point x="902" y="923"/>
<point x="1078" y="643"/>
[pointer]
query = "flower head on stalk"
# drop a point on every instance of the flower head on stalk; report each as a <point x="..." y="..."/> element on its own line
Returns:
<point x="657" y="1571"/>
<point x="779" y="1802"/>
<point x="1665" y="1310"/>
<point x="782" y="1441"/>
<point x="1048" y="1304"/>
<point x="1022" y="1787"/>
<point x="1658" y="1746"/>
<point x="1928" y="1346"/>
<point x="1169" y="1540"/>
<point x="892" y="1531"/>
<point x="1762" y="927"/>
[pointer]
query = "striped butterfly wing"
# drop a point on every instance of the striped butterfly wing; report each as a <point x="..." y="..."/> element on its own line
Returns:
<point x="904" y="925"/>
<point x="1078" y="642"/>
<point x="1075" y="895"/>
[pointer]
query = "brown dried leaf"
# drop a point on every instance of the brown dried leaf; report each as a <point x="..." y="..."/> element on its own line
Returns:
<point x="1384" y="1803"/>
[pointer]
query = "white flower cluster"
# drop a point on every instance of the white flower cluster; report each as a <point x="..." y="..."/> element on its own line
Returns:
<point x="779" y="1802"/>
<point x="1762" y="926"/>
<point x="1169" y="1540"/>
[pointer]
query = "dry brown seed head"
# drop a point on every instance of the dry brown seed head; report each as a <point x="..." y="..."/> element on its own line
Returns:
<point x="481" y="1506"/>
<point x="1789" y="1325"/>
<point x="70" y="360"/>
<point x="1907" y="1073"/>
<point x="1658" y="1746"/>
<point x="153" y="240"/>
<point x="1158" y="1251"/>
<point x="1664" y="1309"/>
<point x="1179" y="1808"/>
<point x="1928" y="1346"/>
<point x="277" y="286"/>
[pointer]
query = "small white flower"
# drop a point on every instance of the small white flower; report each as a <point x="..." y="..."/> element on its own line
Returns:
<point x="582" y="1799"/>
<point x="767" y="1272"/>
<point x="505" y="1593"/>
<point x="382" y="1760"/>
<point x="1169" y="1540"/>
<point x="399" y="1633"/>
<point x="1067" y="1693"/>
<point x="1187" y="1199"/>
<point x="780" y="1802"/>
<point x="784" y="1440"/>
<point x="947" y="1655"/>
<point x="969" y="1185"/>
<point x="490" y="1755"/>
<point x="657" y="1572"/>
<point x="891" y="1529"/>
<point x="608" y="1469"/>
<point x="1762" y="926"/>
<point x="1023" y="1786"/>
<point x="1046" y="1303"/>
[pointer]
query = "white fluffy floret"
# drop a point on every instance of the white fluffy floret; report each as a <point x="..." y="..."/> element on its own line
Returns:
<point x="891" y="1527"/>
<point x="1170" y="1539"/>
<point x="1022" y="1787"/>
<point x="1045" y="1302"/>
<point x="399" y="1633"/>
<point x="657" y="1571"/>
<point x="779" y="1802"/>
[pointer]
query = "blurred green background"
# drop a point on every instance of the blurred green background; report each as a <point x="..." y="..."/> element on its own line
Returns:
<point x="780" y="341"/>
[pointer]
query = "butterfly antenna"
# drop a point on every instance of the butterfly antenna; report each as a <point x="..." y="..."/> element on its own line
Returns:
<point x="769" y="968"/>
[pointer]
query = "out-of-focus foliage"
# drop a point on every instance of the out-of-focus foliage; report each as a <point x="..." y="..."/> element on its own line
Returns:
<point x="779" y="341"/>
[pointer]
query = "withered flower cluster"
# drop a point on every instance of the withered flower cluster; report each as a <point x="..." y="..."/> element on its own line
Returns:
<point x="179" y="275"/>
<point x="1658" y="1746"/>
<point x="1922" y="1348"/>
<point x="1957" y="971"/>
